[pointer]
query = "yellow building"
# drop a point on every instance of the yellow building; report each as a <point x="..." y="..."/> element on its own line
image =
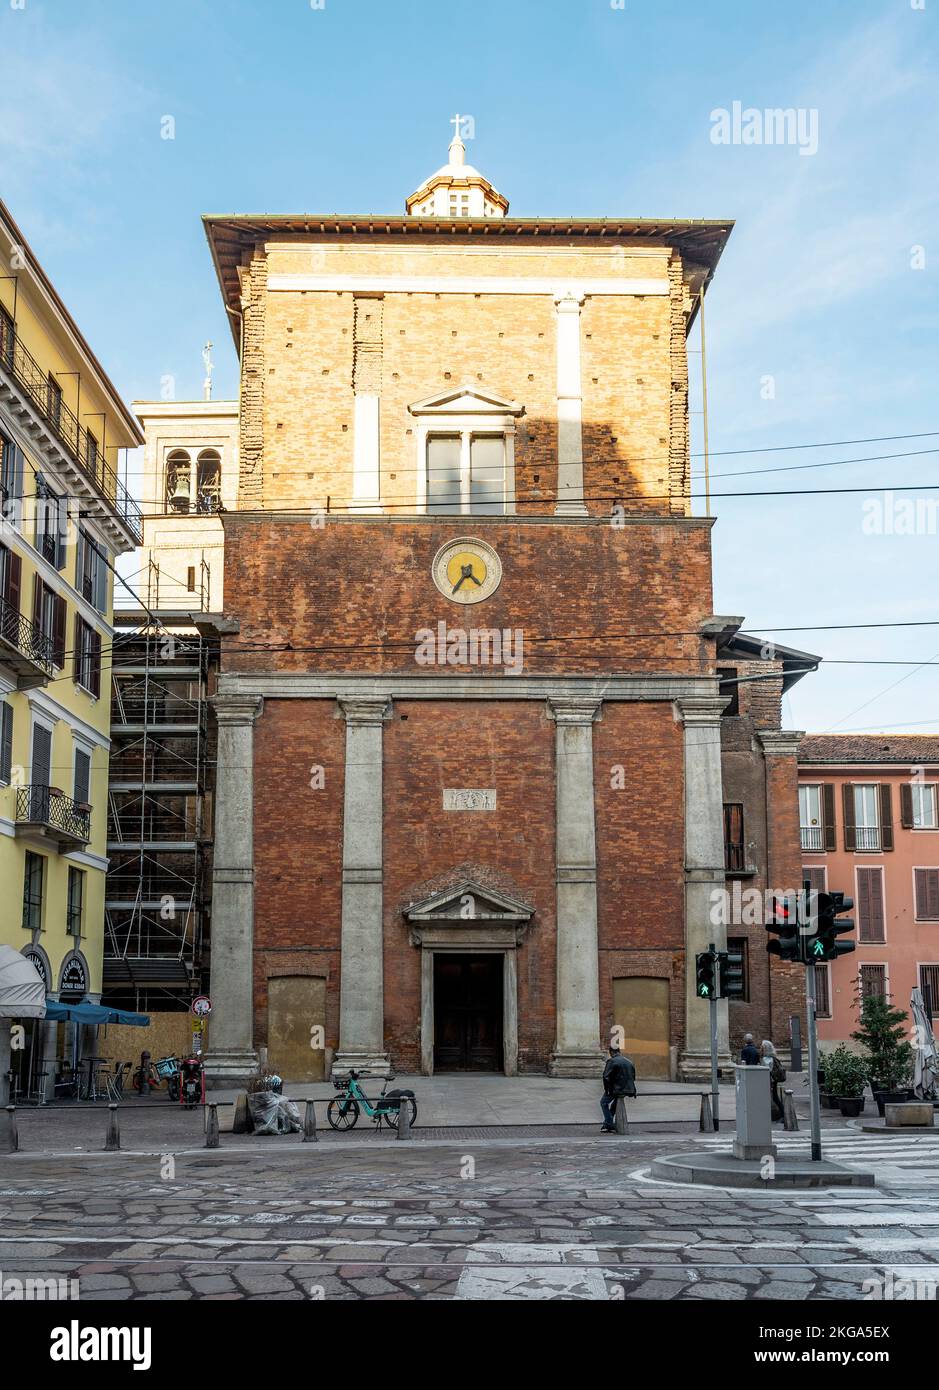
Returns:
<point x="66" y="515"/>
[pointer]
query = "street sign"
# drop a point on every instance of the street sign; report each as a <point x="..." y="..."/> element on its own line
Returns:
<point x="201" y="1006"/>
<point x="198" y="1026"/>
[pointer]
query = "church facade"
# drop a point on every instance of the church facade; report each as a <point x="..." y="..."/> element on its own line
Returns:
<point x="469" y="808"/>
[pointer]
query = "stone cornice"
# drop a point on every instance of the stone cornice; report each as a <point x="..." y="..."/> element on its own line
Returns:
<point x="703" y="710"/>
<point x="236" y="707"/>
<point x="358" y="686"/>
<point x="780" y="742"/>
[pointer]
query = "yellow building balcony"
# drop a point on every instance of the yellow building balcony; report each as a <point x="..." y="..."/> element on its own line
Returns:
<point x="48" y="812"/>
<point x="24" y="648"/>
<point x="27" y="394"/>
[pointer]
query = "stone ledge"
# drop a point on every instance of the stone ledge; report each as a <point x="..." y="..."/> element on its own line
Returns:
<point x="723" y="1170"/>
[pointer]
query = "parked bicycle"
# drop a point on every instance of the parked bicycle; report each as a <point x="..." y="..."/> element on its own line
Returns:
<point x="343" y="1110"/>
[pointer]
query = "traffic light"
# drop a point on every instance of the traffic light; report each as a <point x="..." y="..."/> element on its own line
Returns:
<point x="705" y="966"/>
<point x="730" y="980"/>
<point x="784" y="923"/>
<point x="823" y="946"/>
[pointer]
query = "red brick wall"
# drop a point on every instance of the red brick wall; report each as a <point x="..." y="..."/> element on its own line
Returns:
<point x="298" y="849"/>
<point x="429" y="745"/>
<point x="358" y="591"/>
<point x="640" y="851"/>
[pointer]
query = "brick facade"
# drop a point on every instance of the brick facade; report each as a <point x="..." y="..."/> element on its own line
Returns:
<point x="617" y="688"/>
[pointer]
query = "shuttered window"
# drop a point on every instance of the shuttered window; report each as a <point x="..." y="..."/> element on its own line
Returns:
<point x="822" y="991"/>
<point x="6" y="740"/>
<point x="815" y="876"/>
<point x="734" y="848"/>
<point x="870" y="906"/>
<point x="42" y="756"/>
<point x="82" y="776"/>
<point x="76" y="899"/>
<point x="873" y="980"/>
<point x="918" y="805"/>
<point x="32" y="891"/>
<point x="927" y="894"/>
<point x="929" y="985"/>
<point x="49" y="613"/>
<point x="87" y="657"/>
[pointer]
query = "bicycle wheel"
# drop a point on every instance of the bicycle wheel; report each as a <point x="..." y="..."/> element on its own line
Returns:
<point x="391" y="1116"/>
<point x="342" y="1113"/>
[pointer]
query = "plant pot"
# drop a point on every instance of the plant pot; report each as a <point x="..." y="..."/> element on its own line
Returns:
<point x="851" y="1106"/>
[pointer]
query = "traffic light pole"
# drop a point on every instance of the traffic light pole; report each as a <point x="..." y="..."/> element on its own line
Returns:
<point x="712" y="1005"/>
<point x="813" y="1063"/>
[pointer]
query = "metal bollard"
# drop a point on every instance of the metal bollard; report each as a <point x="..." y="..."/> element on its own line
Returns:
<point x="620" y="1122"/>
<point x="13" y="1141"/>
<point x="790" y="1118"/>
<point x="404" y="1118"/>
<point x="113" y="1141"/>
<point x="310" y="1135"/>
<point x="706" y="1121"/>
<point x="211" y="1130"/>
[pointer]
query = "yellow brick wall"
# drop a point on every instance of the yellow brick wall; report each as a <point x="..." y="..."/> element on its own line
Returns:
<point x="298" y="400"/>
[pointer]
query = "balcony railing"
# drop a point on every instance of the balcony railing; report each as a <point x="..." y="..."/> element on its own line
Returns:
<point x="811" y="837"/>
<point x="867" y="837"/>
<point x="25" y="637"/>
<point x="54" y="814"/>
<point x="81" y="446"/>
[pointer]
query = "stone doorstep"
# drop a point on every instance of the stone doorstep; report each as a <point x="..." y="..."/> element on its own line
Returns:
<point x="723" y="1170"/>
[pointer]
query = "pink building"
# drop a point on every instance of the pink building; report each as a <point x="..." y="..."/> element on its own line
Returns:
<point x="869" y="828"/>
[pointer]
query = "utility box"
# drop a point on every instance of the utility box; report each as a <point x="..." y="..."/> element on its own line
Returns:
<point x="754" y="1138"/>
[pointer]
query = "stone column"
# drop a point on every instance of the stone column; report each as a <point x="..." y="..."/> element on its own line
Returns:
<point x="361" y="989"/>
<point x="232" y="1058"/>
<point x="704" y="873"/>
<point x="49" y="1034"/>
<point x="577" y="1050"/>
<point x="570" y="495"/>
<point x="783" y="872"/>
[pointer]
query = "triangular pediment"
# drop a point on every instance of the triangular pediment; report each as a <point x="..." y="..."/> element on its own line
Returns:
<point x="469" y="901"/>
<point x="466" y="400"/>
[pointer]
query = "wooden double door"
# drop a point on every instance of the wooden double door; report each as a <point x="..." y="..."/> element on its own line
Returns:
<point x="468" y="1012"/>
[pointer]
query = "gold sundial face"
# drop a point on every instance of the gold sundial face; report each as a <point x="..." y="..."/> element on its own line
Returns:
<point x="467" y="570"/>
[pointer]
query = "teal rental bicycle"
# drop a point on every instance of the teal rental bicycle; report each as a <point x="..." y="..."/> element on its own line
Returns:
<point x="344" y="1109"/>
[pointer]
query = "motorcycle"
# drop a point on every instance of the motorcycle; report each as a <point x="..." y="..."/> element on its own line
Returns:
<point x="192" y="1082"/>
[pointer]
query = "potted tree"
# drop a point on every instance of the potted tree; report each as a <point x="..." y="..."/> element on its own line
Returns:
<point x="826" y="1095"/>
<point x="889" y="1056"/>
<point x="847" y="1074"/>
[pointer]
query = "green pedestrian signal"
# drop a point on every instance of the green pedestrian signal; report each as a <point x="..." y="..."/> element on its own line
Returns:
<point x="704" y="974"/>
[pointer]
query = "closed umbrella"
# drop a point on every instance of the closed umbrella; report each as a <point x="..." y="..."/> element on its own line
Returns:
<point x="926" y="1070"/>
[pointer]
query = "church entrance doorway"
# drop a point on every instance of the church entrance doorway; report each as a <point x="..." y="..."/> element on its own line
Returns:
<point x="468" y="1010"/>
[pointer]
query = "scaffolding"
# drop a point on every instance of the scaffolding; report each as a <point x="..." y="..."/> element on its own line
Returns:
<point x="159" y="830"/>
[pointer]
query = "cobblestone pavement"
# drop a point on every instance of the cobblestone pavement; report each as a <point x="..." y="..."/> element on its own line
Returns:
<point x="567" y="1218"/>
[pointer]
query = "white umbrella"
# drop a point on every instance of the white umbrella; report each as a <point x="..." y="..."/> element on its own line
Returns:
<point x="22" y="992"/>
<point x="926" y="1071"/>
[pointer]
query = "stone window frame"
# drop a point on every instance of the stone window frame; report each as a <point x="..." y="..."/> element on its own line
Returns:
<point x="466" y="425"/>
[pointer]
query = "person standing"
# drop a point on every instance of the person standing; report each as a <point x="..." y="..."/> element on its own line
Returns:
<point x="749" y="1054"/>
<point x="619" y="1079"/>
<point x="777" y="1076"/>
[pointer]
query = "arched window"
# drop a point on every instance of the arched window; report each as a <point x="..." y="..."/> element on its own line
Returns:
<point x="210" y="481"/>
<point x="178" y="472"/>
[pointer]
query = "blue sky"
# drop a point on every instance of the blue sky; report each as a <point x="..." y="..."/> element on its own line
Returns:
<point x="823" y="319"/>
